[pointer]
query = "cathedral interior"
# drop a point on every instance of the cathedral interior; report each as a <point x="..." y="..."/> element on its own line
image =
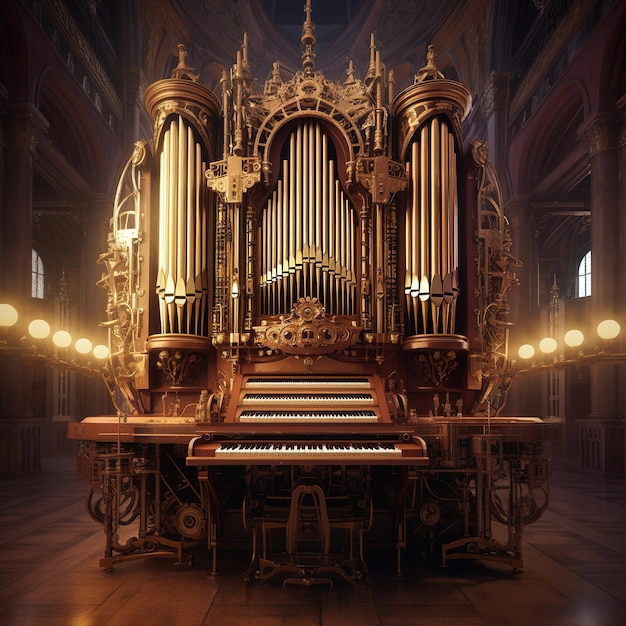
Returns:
<point x="335" y="260"/>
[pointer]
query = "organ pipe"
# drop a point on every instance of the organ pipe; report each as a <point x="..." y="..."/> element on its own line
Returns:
<point x="309" y="225"/>
<point x="181" y="277"/>
<point x="431" y="222"/>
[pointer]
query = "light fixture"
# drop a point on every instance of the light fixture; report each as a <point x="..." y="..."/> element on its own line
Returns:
<point x="101" y="351"/>
<point x="8" y="315"/>
<point x="41" y="348"/>
<point x="548" y="345"/>
<point x="608" y="329"/>
<point x="83" y="346"/>
<point x="39" y="329"/>
<point x="526" y="351"/>
<point x="573" y="338"/>
<point x="61" y="339"/>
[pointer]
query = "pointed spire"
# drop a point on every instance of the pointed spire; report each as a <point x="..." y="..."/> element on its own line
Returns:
<point x="429" y="71"/>
<point x="308" y="40"/>
<point x="183" y="70"/>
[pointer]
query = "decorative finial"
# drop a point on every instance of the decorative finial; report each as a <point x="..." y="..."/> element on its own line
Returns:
<point x="308" y="40"/>
<point x="429" y="71"/>
<point x="182" y="70"/>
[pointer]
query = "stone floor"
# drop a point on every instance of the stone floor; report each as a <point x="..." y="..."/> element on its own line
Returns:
<point x="574" y="571"/>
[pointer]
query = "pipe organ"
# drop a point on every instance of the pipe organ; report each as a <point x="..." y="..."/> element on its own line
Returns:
<point x="308" y="320"/>
<point x="307" y="229"/>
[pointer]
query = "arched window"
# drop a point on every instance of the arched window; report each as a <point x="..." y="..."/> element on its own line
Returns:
<point x="37" y="277"/>
<point x="584" y="276"/>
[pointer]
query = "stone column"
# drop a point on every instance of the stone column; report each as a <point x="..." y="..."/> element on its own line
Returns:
<point x="607" y="274"/>
<point x="21" y="127"/>
<point x="603" y="431"/>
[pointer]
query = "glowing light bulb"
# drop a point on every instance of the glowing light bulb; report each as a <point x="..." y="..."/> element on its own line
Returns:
<point x="573" y="338"/>
<point x="39" y="329"/>
<point x="83" y="345"/>
<point x="547" y="345"/>
<point x="8" y="315"/>
<point x="608" y="329"/>
<point x="101" y="351"/>
<point x="526" y="351"/>
<point x="61" y="339"/>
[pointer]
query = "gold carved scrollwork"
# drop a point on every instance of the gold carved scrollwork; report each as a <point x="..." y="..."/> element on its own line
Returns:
<point x="307" y="330"/>
<point x="382" y="177"/>
<point x="233" y="177"/>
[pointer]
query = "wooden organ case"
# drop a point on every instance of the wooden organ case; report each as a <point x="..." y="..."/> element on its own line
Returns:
<point x="308" y="323"/>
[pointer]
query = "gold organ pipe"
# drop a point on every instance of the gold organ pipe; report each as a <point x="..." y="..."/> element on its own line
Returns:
<point x="286" y="234"/>
<point x="170" y="287"/>
<point x="292" y="206"/>
<point x="312" y="184"/>
<point x="339" y="248"/>
<point x="408" y="266"/>
<point x="279" y="241"/>
<point x="273" y="229"/>
<point x="317" y="212"/>
<point x="332" y="224"/>
<point x="455" y="203"/>
<point x="306" y="177"/>
<point x="325" y="219"/>
<point x="345" y="264"/>
<point x="198" y="245"/>
<point x="308" y="230"/>
<point x="435" y="201"/>
<point x="413" y="250"/>
<point x="424" y="243"/>
<point x="235" y="277"/>
<point x="190" y="290"/>
<point x="262" y="263"/>
<point x="274" y="250"/>
<point x="163" y="229"/>
<point x="181" y="197"/>
<point x="445" y="202"/>
<point x="299" y="227"/>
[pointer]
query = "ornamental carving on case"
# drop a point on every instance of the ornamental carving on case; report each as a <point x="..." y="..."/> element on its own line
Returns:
<point x="435" y="366"/>
<point x="307" y="330"/>
<point x="180" y="366"/>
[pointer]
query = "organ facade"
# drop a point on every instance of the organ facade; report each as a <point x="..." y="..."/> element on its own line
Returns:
<point x="308" y="320"/>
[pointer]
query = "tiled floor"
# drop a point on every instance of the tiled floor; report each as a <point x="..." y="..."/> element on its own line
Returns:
<point x="574" y="572"/>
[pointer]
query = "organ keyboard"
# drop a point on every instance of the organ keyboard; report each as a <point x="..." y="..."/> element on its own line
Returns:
<point x="310" y="417"/>
<point x="339" y="444"/>
<point x="309" y="399"/>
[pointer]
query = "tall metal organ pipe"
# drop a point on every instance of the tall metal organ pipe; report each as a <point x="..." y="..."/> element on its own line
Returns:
<point x="431" y="239"/>
<point x="182" y="253"/>
<point x="307" y="229"/>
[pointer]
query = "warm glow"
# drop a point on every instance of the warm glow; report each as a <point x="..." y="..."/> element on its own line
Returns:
<point x="573" y="338"/>
<point x="547" y="345"/>
<point x="39" y="329"/>
<point x="526" y="351"/>
<point x="61" y="339"/>
<point x="608" y="329"/>
<point x="83" y="346"/>
<point x="101" y="351"/>
<point x="8" y="315"/>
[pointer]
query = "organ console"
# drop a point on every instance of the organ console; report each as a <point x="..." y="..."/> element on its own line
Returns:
<point x="309" y="329"/>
